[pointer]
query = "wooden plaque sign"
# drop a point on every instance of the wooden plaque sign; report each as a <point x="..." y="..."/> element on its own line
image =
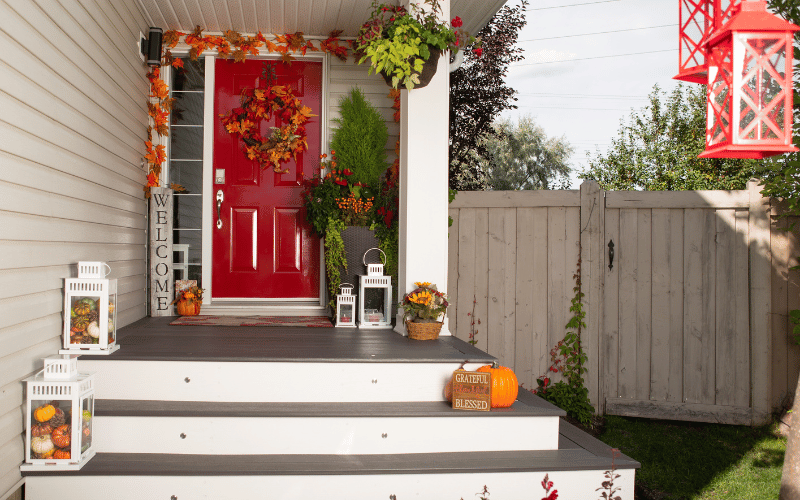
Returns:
<point x="472" y="390"/>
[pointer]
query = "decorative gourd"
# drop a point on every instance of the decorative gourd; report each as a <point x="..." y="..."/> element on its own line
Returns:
<point x="93" y="330"/>
<point x="79" y="324"/>
<point x="82" y="308"/>
<point x="61" y="436"/>
<point x="90" y="302"/>
<point x="448" y="391"/>
<point x="41" y="430"/>
<point x="61" y="455"/>
<point x="504" y="385"/>
<point x="44" y="413"/>
<point x="42" y="445"/>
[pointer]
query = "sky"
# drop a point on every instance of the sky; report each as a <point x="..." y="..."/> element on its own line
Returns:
<point x="589" y="63"/>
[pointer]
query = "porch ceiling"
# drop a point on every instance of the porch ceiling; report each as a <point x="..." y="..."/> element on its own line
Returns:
<point x="312" y="17"/>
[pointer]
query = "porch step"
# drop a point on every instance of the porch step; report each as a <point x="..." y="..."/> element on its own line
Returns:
<point x="123" y="426"/>
<point x="576" y="468"/>
<point x="250" y="308"/>
<point x="157" y="361"/>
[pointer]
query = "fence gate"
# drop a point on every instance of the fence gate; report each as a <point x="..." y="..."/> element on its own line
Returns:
<point x="676" y="325"/>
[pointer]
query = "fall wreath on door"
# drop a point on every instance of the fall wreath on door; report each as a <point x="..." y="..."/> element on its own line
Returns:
<point x="269" y="101"/>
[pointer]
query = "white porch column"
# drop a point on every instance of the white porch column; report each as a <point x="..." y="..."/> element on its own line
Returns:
<point x="424" y="130"/>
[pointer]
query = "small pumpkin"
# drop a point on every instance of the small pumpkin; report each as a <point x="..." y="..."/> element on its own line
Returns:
<point x="189" y="307"/>
<point x="504" y="385"/>
<point x="42" y="445"/>
<point x="41" y="430"/>
<point x="61" y="455"/>
<point x="61" y="436"/>
<point x="93" y="330"/>
<point x="44" y="413"/>
<point x="82" y="308"/>
<point x="79" y="324"/>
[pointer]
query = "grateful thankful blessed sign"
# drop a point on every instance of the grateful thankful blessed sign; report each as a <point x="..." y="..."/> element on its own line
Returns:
<point x="472" y="390"/>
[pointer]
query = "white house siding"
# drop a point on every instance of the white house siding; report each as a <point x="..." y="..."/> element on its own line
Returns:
<point x="72" y="124"/>
<point x="343" y="77"/>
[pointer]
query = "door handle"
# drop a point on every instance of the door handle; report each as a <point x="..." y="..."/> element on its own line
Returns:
<point x="220" y="197"/>
<point x="610" y="254"/>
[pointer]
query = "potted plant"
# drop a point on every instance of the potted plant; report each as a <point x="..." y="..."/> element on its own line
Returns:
<point x="339" y="201"/>
<point x="188" y="301"/>
<point x="423" y="308"/>
<point x="399" y="43"/>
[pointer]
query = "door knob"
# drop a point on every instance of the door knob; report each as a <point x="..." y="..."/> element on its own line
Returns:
<point x="220" y="197"/>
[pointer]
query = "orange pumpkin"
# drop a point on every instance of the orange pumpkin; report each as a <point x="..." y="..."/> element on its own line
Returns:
<point x="504" y="385"/>
<point x="61" y="455"/>
<point x="61" y="436"/>
<point x="189" y="307"/>
<point x="44" y="413"/>
<point x="41" y="430"/>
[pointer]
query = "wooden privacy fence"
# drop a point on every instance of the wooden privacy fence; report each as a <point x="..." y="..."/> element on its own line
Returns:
<point x="689" y="320"/>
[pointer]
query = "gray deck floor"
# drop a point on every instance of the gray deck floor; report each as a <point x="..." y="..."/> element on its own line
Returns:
<point x="155" y="339"/>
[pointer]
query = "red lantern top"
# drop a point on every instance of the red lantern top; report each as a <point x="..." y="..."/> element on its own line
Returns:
<point x="752" y="17"/>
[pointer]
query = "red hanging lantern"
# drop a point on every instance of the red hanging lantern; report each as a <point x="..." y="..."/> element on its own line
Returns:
<point x="698" y="20"/>
<point x="750" y="85"/>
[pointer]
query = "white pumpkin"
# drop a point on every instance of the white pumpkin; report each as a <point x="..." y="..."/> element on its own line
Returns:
<point x="42" y="444"/>
<point x="110" y="325"/>
<point x="93" y="330"/>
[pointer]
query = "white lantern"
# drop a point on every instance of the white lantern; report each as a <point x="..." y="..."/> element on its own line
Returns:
<point x="90" y="311"/>
<point x="375" y="295"/>
<point x="59" y="416"/>
<point x="346" y="306"/>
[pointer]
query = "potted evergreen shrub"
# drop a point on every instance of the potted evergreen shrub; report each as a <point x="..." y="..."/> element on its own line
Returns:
<point x="400" y="44"/>
<point x="339" y="203"/>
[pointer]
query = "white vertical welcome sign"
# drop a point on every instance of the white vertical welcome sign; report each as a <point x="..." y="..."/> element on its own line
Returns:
<point x="161" y="292"/>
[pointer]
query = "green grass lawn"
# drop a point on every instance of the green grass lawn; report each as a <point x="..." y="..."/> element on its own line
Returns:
<point x="692" y="461"/>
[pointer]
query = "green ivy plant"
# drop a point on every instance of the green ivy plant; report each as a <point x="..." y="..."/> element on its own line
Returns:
<point x="334" y="257"/>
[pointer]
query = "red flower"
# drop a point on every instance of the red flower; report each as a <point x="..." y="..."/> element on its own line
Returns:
<point x="546" y="381"/>
<point x="478" y="51"/>
<point x="340" y="181"/>
<point x="347" y="172"/>
<point x="456" y="22"/>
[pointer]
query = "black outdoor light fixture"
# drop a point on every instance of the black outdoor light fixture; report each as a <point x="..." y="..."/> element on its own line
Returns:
<point x="151" y="46"/>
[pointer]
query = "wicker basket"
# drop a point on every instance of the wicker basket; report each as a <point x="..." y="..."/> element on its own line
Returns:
<point x="423" y="331"/>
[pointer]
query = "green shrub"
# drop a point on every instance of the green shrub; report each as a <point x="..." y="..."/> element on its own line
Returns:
<point x="360" y="139"/>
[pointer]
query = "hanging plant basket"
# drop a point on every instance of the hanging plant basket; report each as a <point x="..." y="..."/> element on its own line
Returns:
<point x="428" y="70"/>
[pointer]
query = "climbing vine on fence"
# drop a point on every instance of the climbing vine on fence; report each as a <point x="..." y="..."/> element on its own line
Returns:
<point x="568" y="358"/>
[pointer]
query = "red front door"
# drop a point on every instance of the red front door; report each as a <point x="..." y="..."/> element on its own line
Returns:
<point x="264" y="248"/>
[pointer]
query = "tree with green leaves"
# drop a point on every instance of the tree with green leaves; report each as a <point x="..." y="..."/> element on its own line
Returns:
<point x="781" y="179"/>
<point x="479" y="93"/>
<point x="657" y="149"/>
<point x="520" y="156"/>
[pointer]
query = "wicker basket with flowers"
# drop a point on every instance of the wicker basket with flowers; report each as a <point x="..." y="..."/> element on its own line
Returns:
<point x="423" y="309"/>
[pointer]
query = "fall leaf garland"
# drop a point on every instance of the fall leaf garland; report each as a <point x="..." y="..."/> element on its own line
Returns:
<point x="238" y="46"/>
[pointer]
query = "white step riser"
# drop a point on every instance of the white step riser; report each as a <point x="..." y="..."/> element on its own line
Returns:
<point x="345" y="436"/>
<point x="270" y="381"/>
<point x="572" y="485"/>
